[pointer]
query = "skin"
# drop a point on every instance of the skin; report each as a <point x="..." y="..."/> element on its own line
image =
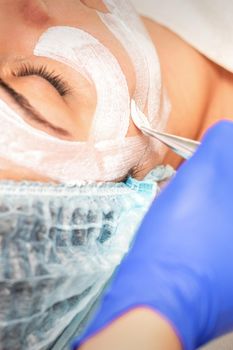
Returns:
<point x="196" y="89"/>
<point x="200" y="93"/>
<point x="140" y="329"/>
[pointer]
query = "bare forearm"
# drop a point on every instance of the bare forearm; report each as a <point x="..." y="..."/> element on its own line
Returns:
<point x="140" y="329"/>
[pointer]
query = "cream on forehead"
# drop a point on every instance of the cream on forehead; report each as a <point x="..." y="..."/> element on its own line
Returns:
<point x="89" y="57"/>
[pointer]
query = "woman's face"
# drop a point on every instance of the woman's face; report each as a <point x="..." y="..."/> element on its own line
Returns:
<point x="47" y="94"/>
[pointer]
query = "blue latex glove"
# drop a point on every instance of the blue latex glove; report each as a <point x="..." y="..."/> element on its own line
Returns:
<point x="181" y="263"/>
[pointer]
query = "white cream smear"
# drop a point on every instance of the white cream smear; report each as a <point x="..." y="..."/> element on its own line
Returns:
<point x="108" y="154"/>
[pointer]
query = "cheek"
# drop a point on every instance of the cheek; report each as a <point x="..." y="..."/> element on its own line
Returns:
<point x="45" y="100"/>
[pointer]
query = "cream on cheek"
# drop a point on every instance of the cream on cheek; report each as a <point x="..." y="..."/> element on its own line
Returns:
<point x="44" y="98"/>
<point x="73" y="112"/>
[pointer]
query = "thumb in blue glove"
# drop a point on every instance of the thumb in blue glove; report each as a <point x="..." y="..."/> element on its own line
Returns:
<point x="181" y="262"/>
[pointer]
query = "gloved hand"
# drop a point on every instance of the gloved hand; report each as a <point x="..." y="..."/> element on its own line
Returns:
<point x="181" y="263"/>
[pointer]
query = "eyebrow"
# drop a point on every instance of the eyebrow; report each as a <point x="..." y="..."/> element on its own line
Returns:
<point x="30" y="111"/>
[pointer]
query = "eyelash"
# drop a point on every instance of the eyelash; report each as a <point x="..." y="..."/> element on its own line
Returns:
<point x="132" y="173"/>
<point x="55" y="80"/>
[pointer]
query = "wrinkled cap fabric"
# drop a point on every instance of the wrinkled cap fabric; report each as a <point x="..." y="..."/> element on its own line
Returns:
<point x="59" y="245"/>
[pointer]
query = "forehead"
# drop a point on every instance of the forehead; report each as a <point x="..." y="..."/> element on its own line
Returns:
<point x="27" y="19"/>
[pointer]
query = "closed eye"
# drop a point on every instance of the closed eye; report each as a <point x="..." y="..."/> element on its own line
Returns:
<point x="55" y="80"/>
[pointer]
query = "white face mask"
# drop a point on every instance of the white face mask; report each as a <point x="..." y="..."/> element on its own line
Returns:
<point x="108" y="154"/>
